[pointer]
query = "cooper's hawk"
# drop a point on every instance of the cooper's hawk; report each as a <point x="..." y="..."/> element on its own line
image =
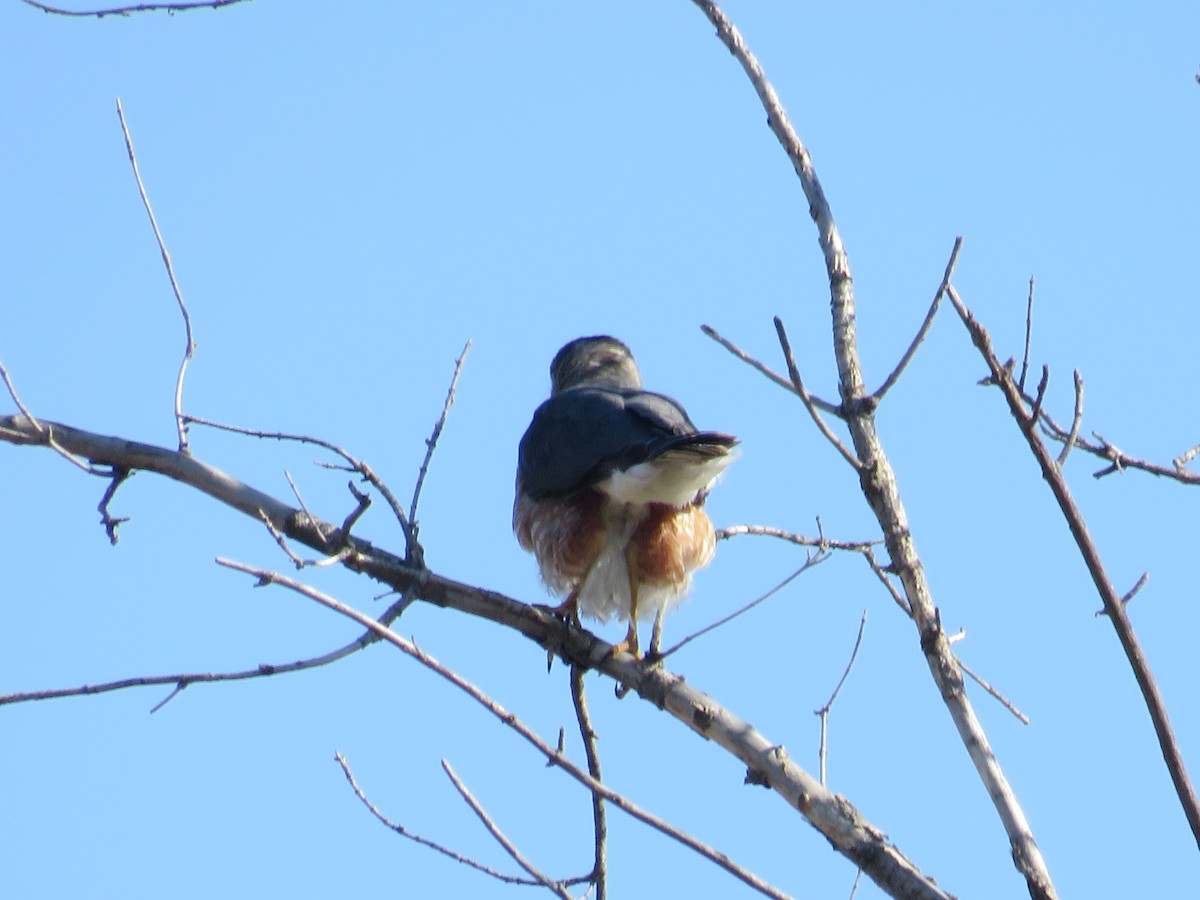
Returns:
<point x="611" y="482"/>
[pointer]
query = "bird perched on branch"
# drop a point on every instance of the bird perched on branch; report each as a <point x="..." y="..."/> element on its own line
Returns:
<point x="611" y="483"/>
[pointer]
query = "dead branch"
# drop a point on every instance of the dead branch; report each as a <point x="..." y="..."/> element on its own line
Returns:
<point x="803" y="394"/>
<point x="171" y="8"/>
<point x="266" y="577"/>
<point x="823" y="712"/>
<point x="1113" y="606"/>
<point x="877" y="478"/>
<point x="432" y="440"/>
<point x="923" y="330"/>
<point x="183" y="680"/>
<point x="416" y="838"/>
<point x="494" y="830"/>
<point x="767" y="370"/>
<point x="599" y="817"/>
<point x="190" y="349"/>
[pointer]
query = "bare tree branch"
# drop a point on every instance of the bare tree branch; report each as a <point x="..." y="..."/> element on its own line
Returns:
<point x="834" y="816"/>
<point x="877" y="478"/>
<point x="794" y="372"/>
<point x="171" y="8"/>
<point x="823" y="712"/>
<point x="424" y="842"/>
<point x="432" y="440"/>
<point x="923" y="330"/>
<point x="599" y="817"/>
<point x="1028" y="335"/>
<point x="494" y="830"/>
<point x="266" y="577"/>
<point x="813" y="560"/>
<point x="182" y="680"/>
<point x="767" y="370"/>
<point x="1113" y="606"/>
<point x="180" y="424"/>
<point x="413" y="547"/>
<point x="724" y="534"/>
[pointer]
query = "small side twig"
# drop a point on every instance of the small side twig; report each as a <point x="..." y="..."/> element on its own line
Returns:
<point x="1076" y="421"/>
<point x="183" y="680"/>
<point x="807" y="400"/>
<point x="823" y="712"/>
<point x="1004" y="701"/>
<point x="494" y="830"/>
<point x="1028" y="336"/>
<point x="432" y="440"/>
<point x="599" y="817"/>
<point x="1130" y="594"/>
<point x="762" y="367"/>
<point x="881" y="573"/>
<point x="813" y="560"/>
<point x="724" y="534"/>
<point x="923" y="330"/>
<point x="119" y="475"/>
<point x="190" y="349"/>
<point x="416" y="838"/>
<point x="415" y="554"/>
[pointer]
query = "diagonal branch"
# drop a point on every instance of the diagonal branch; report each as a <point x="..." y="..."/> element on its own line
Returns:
<point x="494" y="830"/>
<point x="922" y="331"/>
<point x="806" y="399"/>
<point x="833" y="816"/>
<point x="1113" y="605"/>
<point x="432" y="441"/>
<point x="266" y="577"/>
<point x="878" y="479"/>
<point x="416" y="838"/>
<point x="762" y="367"/>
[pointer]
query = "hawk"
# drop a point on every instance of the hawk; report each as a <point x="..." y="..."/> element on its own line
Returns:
<point x="611" y="483"/>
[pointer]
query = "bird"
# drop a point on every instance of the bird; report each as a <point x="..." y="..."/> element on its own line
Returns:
<point x="610" y="489"/>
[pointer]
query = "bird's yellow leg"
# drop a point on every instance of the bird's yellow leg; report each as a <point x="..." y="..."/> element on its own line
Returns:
<point x="569" y="608"/>
<point x="630" y="644"/>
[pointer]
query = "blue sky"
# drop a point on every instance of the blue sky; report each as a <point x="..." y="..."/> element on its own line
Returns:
<point x="350" y="193"/>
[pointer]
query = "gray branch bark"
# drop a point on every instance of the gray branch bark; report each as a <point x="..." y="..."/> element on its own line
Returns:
<point x="768" y="764"/>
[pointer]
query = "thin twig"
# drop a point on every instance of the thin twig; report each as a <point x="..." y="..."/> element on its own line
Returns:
<point x="767" y="370"/>
<point x="266" y="577"/>
<point x="599" y="817"/>
<point x="130" y="10"/>
<point x="823" y="712"/>
<point x="1113" y="606"/>
<point x="724" y="534"/>
<point x="813" y="560"/>
<point x="1028" y="336"/>
<point x="882" y="574"/>
<point x="1184" y="458"/>
<point x="806" y="399"/>
<point x="1076" y="421"/>
<point x="12" y="392"/>
<point x="432" y="440"/>
<point x="111" y="523"/>
<point x="494" y="830"/>
<point x="924" y="329"/>
<point x="1130" y="594"/>
<point x="1004" y="701"/>
<point x="190" y="349"/>
<point x="182" y="680"/>
<point x="425" y="842"/>
<point x="413" y="548"/>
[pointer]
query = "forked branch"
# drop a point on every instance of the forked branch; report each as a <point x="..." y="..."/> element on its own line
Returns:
<point x="1114" y="608"/>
